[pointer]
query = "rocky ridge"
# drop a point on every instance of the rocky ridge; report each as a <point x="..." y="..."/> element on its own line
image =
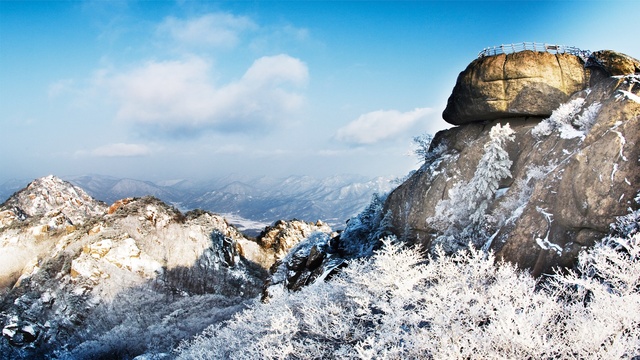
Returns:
<point x="66" y="259"/>
<point x="250" y="203"/>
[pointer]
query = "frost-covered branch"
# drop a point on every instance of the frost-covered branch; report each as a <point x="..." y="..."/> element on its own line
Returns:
<point x="399" y="304"/>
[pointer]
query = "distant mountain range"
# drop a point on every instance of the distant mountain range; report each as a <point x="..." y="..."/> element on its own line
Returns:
<point x="251" y="203"/>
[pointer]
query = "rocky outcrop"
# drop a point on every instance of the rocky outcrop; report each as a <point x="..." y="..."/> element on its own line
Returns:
<point x="613" y="63"/>
<point x="275" y="241"/>
<point x="522" y="84"/>
<point x="55" y="274"/>
<point x="321" y="254"/>
<point x="571" y="175"/>
<point x="314" y="259"/>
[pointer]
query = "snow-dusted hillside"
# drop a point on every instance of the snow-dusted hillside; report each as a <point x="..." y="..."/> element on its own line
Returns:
<point x="73" y="272"/>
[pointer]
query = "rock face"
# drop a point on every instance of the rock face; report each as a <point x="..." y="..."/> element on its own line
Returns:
<point x="571" y="175"/>
<point x="314" y="259"/>
<point x="320" y="254"/>
<point x="275" y="241"/>
<point x="520" y="84"/>
<point x="54" y="282"/>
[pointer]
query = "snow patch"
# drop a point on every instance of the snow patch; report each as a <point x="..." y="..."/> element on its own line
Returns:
<point x="245" y="225"/>
<point x="622" y="141"/>
<point x="545" y="243"/>
<point x="569" y="132"/>
<point x="500" y="192"/>
<point x="628" y="95"/>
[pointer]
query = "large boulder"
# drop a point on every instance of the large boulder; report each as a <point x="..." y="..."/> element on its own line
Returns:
<point x="521" y="84"/>
<point x="613" y="63"/>
<point x="572" y="174"/>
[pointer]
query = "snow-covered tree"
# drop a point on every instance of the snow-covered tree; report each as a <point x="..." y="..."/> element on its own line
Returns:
<point x="400" y="305"/>
<point x="570" y="120"/>
<point x="460" y="219"/>
<point x="363" y="232"/>
<point x="422" y="144"/>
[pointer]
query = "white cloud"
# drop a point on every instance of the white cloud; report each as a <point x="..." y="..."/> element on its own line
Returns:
<point x="381" y="125"/>
<point x="217" y="29"/>
<point x="276" y="70"/>
<point x="180" y="94"/>
<point x="121" y="150"/>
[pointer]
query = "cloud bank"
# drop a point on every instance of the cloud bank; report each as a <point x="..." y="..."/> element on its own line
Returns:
<point x="377" y="126"/>
<point x="180" y="94"/>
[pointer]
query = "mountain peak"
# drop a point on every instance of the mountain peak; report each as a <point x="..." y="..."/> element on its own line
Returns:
<point x="51" y="194"/>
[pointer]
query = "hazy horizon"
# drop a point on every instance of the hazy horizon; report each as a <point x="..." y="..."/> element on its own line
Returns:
<point x="195" y="90"/>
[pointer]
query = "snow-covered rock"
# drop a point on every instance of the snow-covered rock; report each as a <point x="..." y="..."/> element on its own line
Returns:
<point x="21" y="333"/>
<point x="60" y="273"/>
<point x="66" y="260"/>
<point x="52" y="194"/>
<point x="571" y="175"/>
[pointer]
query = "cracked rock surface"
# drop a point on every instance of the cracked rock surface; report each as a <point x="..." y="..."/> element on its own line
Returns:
<point x="526" y="83"/>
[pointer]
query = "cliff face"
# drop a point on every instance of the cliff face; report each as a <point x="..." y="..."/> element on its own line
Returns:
<point x="571" y="174"/>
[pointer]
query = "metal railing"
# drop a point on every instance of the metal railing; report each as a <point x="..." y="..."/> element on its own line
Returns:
<point x="533" y="46"/>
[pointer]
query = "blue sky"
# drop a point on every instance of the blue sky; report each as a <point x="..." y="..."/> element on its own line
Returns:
<point x="163" y="90"/>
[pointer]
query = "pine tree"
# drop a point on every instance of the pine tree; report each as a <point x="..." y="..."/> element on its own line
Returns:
<point x="461" y="218"/>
